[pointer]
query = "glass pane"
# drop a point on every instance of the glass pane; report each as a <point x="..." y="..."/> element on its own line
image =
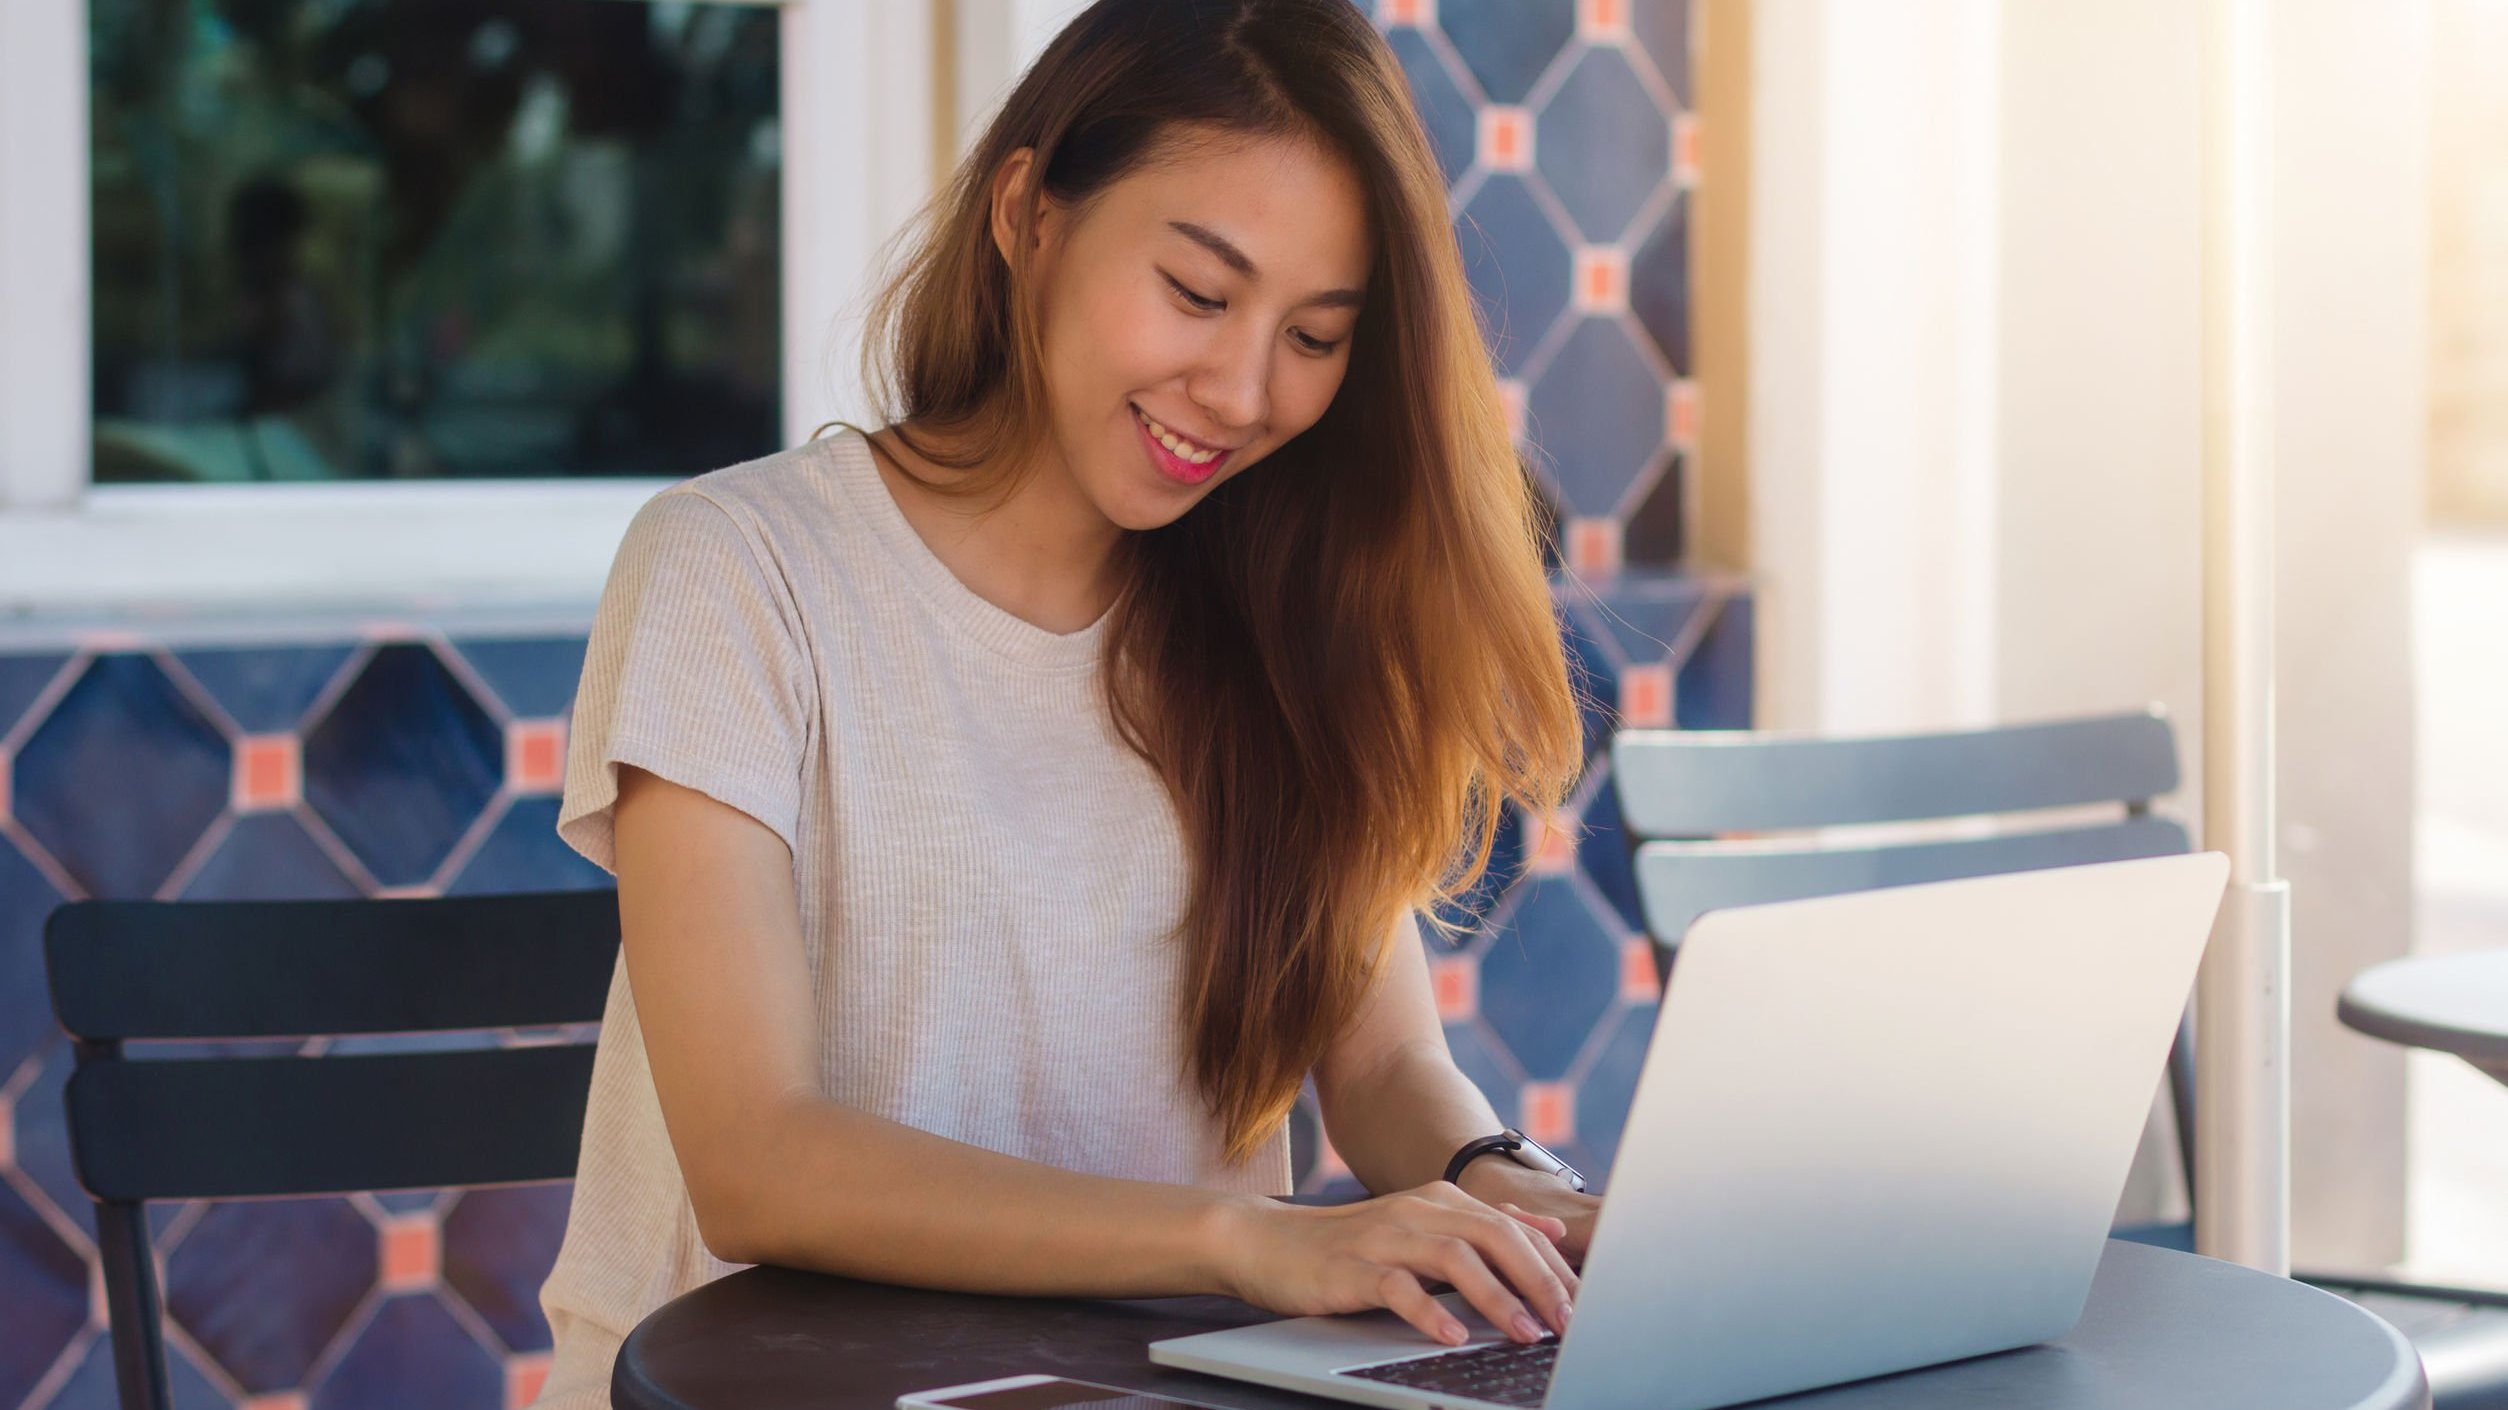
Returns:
<point x="359" y="239"/>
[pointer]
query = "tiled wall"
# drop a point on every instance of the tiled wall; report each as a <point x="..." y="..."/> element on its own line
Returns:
<point x="413" y="759"/>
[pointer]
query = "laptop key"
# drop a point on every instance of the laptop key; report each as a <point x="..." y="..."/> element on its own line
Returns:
<point x="1506" y="1373"/>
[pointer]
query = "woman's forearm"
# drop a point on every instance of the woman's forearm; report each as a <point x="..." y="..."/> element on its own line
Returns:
<point x="841" y="1191"/>
<point x="1396" y="1127"/>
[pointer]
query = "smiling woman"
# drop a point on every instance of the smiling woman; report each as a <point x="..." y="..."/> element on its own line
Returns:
<point x="1179" y="640"/>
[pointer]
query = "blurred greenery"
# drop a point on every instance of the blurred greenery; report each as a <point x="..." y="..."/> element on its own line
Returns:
<point x="433" y="238"/>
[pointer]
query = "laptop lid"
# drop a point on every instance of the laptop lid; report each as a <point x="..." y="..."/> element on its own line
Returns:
<point x="1882" y="1130"/>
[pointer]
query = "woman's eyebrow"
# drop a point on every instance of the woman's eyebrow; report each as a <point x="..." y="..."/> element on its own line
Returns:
<point x="1235" y="259"/>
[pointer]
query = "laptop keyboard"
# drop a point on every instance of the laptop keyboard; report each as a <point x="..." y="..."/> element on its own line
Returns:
<point x="1507" y="1373"/>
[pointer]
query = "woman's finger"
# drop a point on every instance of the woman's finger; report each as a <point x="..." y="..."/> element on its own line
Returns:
<point x="1470" y="1268"/>
<point x="1402" y="1294"/>
<point x="1548" y="1246"/>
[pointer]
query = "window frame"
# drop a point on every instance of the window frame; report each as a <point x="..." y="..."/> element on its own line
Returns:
<point x="847" y="68"/>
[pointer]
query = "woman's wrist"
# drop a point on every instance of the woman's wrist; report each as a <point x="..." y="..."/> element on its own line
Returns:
<point x="1495" y="1178"/>
<point x="1231" y="1228"/>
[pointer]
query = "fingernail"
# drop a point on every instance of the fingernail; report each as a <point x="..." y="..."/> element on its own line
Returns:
<point x="1566" y="1310"/>
<point x="1452" y="1333"/>
<point x="1526" y="1327"/>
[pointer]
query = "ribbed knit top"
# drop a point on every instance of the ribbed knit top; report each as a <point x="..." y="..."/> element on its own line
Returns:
<point x="989" y="881"/>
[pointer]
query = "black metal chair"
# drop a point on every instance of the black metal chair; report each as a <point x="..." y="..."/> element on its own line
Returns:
<point x="1685" y="794"/>
<point x="218" y="1127"/>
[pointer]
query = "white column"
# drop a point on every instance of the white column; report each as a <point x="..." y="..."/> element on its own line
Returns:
<point x="44" y="360"/>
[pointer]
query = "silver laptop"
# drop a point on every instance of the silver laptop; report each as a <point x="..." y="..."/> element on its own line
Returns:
<point x="1873" y="1132"/>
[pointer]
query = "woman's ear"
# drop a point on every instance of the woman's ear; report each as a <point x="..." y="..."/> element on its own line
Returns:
<point x="1012" y="187"/>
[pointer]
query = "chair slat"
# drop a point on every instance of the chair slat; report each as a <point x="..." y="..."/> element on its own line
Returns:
<point x="1679" y="881"/>
<point x="225" y="1127"/>
<point x="249" y="969"/>
<point x="1698" y="783"/>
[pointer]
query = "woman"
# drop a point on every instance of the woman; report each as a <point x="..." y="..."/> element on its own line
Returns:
<point x="1012" y="806"/>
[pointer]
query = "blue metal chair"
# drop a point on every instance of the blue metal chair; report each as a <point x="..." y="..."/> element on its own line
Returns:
<point x="1729" y="818"/>
<point x="212" y="1127"/>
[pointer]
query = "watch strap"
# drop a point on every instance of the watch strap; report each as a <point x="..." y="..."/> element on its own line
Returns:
<point x="1474" y="1150"/>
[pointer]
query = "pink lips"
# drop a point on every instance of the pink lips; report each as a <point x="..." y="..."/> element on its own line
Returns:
<point x="1182" y="471"/>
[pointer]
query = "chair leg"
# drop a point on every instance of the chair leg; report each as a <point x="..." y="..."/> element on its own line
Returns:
<point x="2181" y="1095"/>
<point x="130" y="1279"/>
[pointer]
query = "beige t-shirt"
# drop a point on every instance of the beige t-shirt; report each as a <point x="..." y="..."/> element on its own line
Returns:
<point x="987" y="877"/>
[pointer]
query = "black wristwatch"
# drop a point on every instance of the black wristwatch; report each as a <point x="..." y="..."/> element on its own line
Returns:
<point x="1522" y="1148"/>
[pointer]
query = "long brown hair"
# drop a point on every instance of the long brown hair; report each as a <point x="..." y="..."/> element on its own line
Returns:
<point x="1343" y="662"/>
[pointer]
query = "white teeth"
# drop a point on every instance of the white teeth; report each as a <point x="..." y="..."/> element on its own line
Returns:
<point x="1184" y="450"/>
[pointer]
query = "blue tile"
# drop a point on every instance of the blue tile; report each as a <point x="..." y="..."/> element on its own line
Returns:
<point x="25" y="1003"/>
<point x="1445" y="110"/>
<point x="266" y="689"/>
<point x="1306" y="1135"/>
<point x="268" y="857"/>
<point x="1598" y="414"/>
<point x="43" y="1137"/>
<point x="1603" y="852"/>
<point x="1507" y="43"/>
<point x="1548" y="976"/>
<point x="1646" y="613"/>
<point x="499" y="1245"/>
<point x="1518" y="266"/>
<point x="46" y="1299"/>
<point x="534" y="677"/>
<point x="1658" y="285"/>
<point x="407" y="1201"/>
<point x="264" y="1285"/>
<point x="1595" y="676"/>
<point x="1656" y="532"/>
<point x="403" y="764"/>
<point x="22" y="678"/>
<point x="1472" y="908"/>
<point x="523" y="853"/>
<point x="90" y="1387"/>
<point x="1603" y="145"/>
<point x="122" y="778"/>
<point x="1713" y="690"/>
<point x="1603" y="1097"/>
<point x="1662" y="31"/>
<point x="413" y="1354"/>
<point x="1481" y="1059"/>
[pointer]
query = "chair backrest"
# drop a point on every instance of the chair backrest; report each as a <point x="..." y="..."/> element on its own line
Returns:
<point x="221" y="1127"/>
<point x="1682" y="793"/>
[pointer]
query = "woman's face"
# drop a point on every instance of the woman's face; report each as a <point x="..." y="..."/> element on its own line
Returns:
<point x="1216" y="295"/>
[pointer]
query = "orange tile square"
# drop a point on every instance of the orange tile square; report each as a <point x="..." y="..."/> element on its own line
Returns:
<point x="1680" y="414"/>
<point x="1554" y="846"/>
<point x="1602" y="19"/>
<point x="1411" y="12"/>
<point x="1601" y="279"/>
<point x="1640" y="983"/>
<point x="1456" y="979"/>
<point x="412" y="1253"/>
<point x="1511" y="401"/>
<point x="275" y="1400"/>
<point x="1550" y="1112"/>
<point x="269" y="773"/>
<point x="1685" y="149"/>
<point x="1506" y="138"/>
<point x="8" y="1131"/>
<point x="525" y="1373"/>
<point x="535" y="756"/>
<point x="1593" y="547"/>
<point x="1646" y="696"/>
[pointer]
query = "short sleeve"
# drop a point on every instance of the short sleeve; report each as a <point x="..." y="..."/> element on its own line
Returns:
<point x="694" y="672"/>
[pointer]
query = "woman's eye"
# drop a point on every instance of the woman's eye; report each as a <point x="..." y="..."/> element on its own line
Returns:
<point x="1205" y="305"/>
<point x="1317" y="348"/>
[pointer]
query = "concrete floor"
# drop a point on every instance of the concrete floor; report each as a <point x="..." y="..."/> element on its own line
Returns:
<point x="2457" y="1211"/>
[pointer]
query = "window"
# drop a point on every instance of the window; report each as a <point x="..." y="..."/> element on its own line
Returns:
<point x="525" y="307"/>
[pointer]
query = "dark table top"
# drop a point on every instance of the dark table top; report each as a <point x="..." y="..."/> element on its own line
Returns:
<point x="2162" y="1330"/>
<point x="2453" y="1003"/>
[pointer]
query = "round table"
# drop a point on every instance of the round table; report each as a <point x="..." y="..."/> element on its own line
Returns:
<point x="2453" y="1003"/>
<point x="2162" y="1330"/>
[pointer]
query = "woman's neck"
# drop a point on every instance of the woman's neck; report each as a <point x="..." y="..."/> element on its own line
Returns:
<point x="1043" y="553"/>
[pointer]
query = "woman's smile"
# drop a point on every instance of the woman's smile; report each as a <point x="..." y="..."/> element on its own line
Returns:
<point x="1178" y="462"/>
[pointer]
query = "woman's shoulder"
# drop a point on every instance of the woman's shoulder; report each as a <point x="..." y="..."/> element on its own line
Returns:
<point x="800" y="490"/>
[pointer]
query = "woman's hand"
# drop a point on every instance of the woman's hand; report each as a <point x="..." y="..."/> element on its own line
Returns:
<point x="1541" y="1198"/>
<point x="1304" y="1261"/>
